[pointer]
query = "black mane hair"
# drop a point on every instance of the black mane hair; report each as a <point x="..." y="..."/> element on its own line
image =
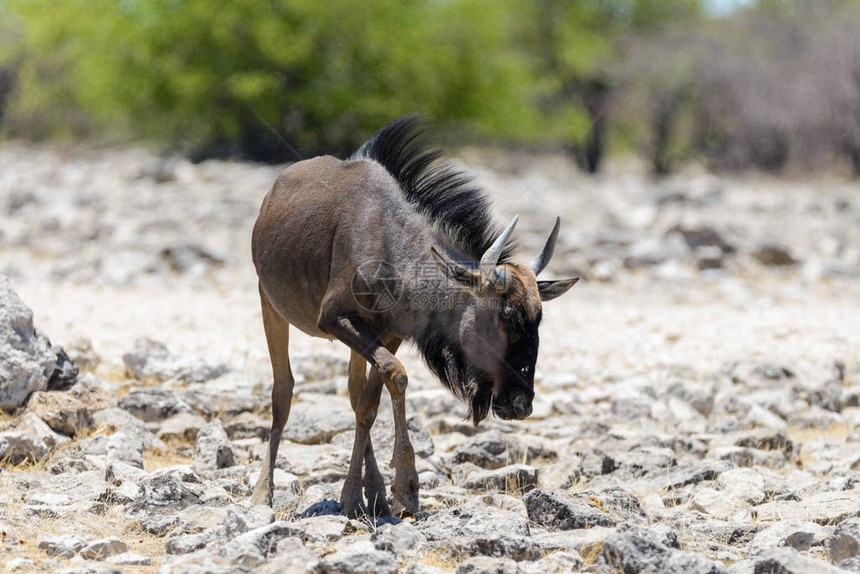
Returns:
<point x="445" y="195"/>
<point x="445" y="359"/>
<point x="459" y="210"/>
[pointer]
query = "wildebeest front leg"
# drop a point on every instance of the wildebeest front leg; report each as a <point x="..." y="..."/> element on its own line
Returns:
<point x="361" y="339"/>
<point x="405" y="487"/>
<point x="364" y="395"/>
<point x="374" y="483"/>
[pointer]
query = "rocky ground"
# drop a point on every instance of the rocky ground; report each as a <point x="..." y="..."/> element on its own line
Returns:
<point x="698" y="397"/>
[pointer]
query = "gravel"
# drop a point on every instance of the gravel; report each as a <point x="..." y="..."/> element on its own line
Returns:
<point x="697" y="406"/>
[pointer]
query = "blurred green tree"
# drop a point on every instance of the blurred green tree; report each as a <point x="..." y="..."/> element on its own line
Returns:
<point x="8" y="67"/>
<point x="576" y="45"/>
<point x="253" y="79"/>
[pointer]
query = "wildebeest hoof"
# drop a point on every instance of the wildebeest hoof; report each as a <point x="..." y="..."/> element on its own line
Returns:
<point x="405" y="491"/>
<point x="353" y="508"/>
<point x="262" y="496"/>
<point x="351" y="503"/>
<point x="377" y="505"/>
<point x="405" y="509"/>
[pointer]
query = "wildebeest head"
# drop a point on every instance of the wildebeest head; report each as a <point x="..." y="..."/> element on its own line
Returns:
<point x="498" y="331"/>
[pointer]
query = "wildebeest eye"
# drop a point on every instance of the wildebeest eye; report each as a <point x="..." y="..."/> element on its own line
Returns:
<point x="514" y="336"/>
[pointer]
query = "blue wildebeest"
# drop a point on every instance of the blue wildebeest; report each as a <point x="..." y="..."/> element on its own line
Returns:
<point x="396" y="207"/>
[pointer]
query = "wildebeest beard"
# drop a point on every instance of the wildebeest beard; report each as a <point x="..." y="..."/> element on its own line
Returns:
<point x="445" y="359"/>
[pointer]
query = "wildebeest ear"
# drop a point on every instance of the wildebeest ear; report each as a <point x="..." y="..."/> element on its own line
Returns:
<point x="549" y="290"/>
<point x="460" y="273"/>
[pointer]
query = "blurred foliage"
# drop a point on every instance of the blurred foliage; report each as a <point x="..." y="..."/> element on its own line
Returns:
<point x="779" y="86"/>
<point x="773" y="84"/>
<point x="210" y="80"/>
<point x="576" y="45"/>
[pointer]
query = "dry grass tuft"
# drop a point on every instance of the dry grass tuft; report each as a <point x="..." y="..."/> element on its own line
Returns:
<point x="173" y="455"/>
<point x="590" y="554"/>
<point x="8" y="420"/>
<point x="442" y="560"/>
<point x="142" y="542"/>
<point x="113" y="373"/>
<point x="90" y="527"/>
<point x="29" y="464"/>
<point x="835" y="432"/>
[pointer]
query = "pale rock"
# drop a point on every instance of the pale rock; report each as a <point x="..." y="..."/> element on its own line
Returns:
<point x="403" y="540"/>
<point x="719" y="504"/>
<point x="182" y="426"/>
<point x="797" y="534"/>
<point x="64" y="546"/>
<point x="582" y="541"/>
<point x="745" y="484"/>
<point x="488" y="565"/>
<point x="101" y="549"/>
<point x="151" y="404"/>
<point x="81" y="352"/>
<point x="325" y="529"/>
<point x="213" y="449"/>
<point x="843" y="545"/>
<point x="556" y="563"/>
<point x="28" y="362"/>
<point x="291" y="556"/>
<point x="129" y="559"/>
<point x="318" y="366"/>
<point x="358" y="561"/>
<point x="48" y="499"/>
<point x="93" y="392"/>
<point x="758" y="416"/>
<point x="556" y="510"/>
<point x="785" y="560"/>
<point x="517" y="478"/>
<point x="316" y="425"/>
<point x="61" y="411"/>
<point x="125" y="447"/>
<point x="486" y="450"/>
<point x="471" y="519"/>
<point x="247" y="425"/>
<point x="496" y="545"/>
<point x="31" y="440"/>
<point x="252" y="548"/>
<point x="187" y="543"/>
<point x="227" y="395"/>
<point x="16" y="564"/>
<point x="150" y="360"/>
<point x="823" y="508"/>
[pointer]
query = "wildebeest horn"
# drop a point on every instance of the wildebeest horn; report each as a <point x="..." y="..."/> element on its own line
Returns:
<point x="492" y="254"/>
<point x="541" y="260"/>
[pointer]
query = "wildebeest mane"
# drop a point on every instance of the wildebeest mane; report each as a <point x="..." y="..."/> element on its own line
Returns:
<point x="445" y="195"/>
<point x="445" y="359"/>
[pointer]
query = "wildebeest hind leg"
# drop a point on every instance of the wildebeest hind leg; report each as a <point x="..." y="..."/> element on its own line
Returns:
<point x="278" y="339"/>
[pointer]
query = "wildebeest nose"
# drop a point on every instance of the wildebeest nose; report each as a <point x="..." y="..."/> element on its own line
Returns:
<point x="521" y="408"/>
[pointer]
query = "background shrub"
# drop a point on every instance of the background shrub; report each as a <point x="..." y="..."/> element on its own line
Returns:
<point x="772" y="84"/>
